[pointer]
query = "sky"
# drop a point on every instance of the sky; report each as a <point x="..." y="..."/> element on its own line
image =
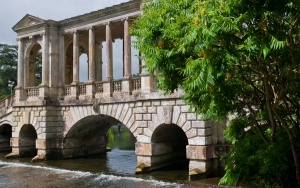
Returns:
<point x="12" y="11"/>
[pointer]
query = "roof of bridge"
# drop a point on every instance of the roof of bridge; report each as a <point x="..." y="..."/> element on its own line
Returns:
<point x="30" y="21"/>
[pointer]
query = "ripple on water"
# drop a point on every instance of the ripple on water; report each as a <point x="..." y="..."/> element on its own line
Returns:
<point x="15" y="175"/>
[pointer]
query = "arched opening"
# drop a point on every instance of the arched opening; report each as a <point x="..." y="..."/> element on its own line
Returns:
<point x="102" y="138"/>
<point x="34" y="66"/>
<point x="169" y="147"/>
<point x="27" y="140"/>
<point x="5" y="135"/>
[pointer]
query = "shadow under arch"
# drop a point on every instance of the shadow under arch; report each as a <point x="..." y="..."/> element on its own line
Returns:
<point x="169" y="143"/>
<point x="88" y="136"/>
<point x="5" y="135"/>
<point x="27" y="140"/>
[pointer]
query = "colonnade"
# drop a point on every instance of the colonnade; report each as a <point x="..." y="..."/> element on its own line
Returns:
<point x="54" y="43"/>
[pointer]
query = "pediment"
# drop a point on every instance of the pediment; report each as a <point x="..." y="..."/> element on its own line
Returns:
<point x="28" y="21"/>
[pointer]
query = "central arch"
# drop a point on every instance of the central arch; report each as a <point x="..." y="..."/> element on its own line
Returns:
<point x="88" y="136"/>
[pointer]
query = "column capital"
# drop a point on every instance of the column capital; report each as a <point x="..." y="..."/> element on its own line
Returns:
<point x="90" y="28"/>
<point x="125" y="19"/>
<point x="32" y="38"/>
<point x="19" y="39"/>
<point x="107" y="23"/>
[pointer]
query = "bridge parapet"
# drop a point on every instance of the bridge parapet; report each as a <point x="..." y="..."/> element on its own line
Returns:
<point x="6" y="104"/>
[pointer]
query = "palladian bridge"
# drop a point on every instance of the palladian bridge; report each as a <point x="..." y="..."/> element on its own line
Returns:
<point x="61" y="117"/>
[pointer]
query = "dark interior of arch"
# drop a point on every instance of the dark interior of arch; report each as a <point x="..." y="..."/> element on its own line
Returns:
<point x="27" y="141"/>
<point x="5" y="135"/>
<point x="169" y="147"/>
<point x="87" y="136"/>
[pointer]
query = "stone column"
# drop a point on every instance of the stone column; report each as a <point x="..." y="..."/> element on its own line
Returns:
<point x="91" y="54"/>
<point x="20" y="91"/>
<point x="99" y="62"/>
<point x="20" y="63"/>
<point x="62" y="65"/>
<point x="26" y="72"/>
<point x="90" y="87"/>
<point x="75" y="57"/>
<point x="109" y="54"/>
<point x="127" y="49"/>
<point x="62" y="62"/>
<point x="45" y="59"/>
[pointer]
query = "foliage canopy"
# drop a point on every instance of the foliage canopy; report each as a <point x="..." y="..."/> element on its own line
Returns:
<point x="238" y="57"/>
<point x="8" y="67"/>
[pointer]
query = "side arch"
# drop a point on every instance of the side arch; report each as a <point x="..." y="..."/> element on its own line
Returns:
<point x="6" y="121"/>
<point x="30" y="53"/>
<point x="5" y="136"/>
<point x="27" y="140"/>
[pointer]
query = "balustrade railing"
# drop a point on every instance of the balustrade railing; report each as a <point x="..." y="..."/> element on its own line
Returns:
<point x="117" y="86"/>
<point x="2" y="103"/>
<point x="99" y="87"/>
<point x="82" y="89"/>
<point x="32" y="91"/>
<point x="6" y="103"/>
<point x="67" y="90"/>
<point x="136" y="84"/>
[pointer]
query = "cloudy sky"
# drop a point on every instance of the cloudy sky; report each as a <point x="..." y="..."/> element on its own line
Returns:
<point x="12" y="11"/>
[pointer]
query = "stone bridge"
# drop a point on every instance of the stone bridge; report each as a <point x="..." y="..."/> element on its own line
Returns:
<point x="61" y="117"/>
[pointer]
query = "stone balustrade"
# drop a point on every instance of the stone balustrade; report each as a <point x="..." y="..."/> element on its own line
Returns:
<point x="5" y="104"/>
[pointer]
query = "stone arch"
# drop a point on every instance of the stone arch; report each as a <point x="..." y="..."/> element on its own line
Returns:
<point x="177" y="115"/>
<point x="27" y="140"/>
<point x="6" y="121"/>
<point x="168" y="145"/>
<point x="5" y="135"/>
<point x="31" y="50"/>
<point x="122" y="112"/>
<point x="83" y="124"/>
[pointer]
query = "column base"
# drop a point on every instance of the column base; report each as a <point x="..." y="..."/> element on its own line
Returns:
<point x="12" y="156"/>
<point x="38" y="158"/>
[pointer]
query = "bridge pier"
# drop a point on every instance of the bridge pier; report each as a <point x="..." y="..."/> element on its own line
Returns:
<point x="74" y="147"/>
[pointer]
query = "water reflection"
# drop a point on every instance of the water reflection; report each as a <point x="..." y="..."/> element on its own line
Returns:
<point x="120" y="137"/>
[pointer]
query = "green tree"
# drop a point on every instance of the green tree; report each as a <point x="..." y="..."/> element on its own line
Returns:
<point x="8" y="67"/>
<point x="38" y="68"/>
<point x="233" y="57"/>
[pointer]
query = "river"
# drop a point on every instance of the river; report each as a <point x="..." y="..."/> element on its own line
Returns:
<point x="113" y="169"/>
